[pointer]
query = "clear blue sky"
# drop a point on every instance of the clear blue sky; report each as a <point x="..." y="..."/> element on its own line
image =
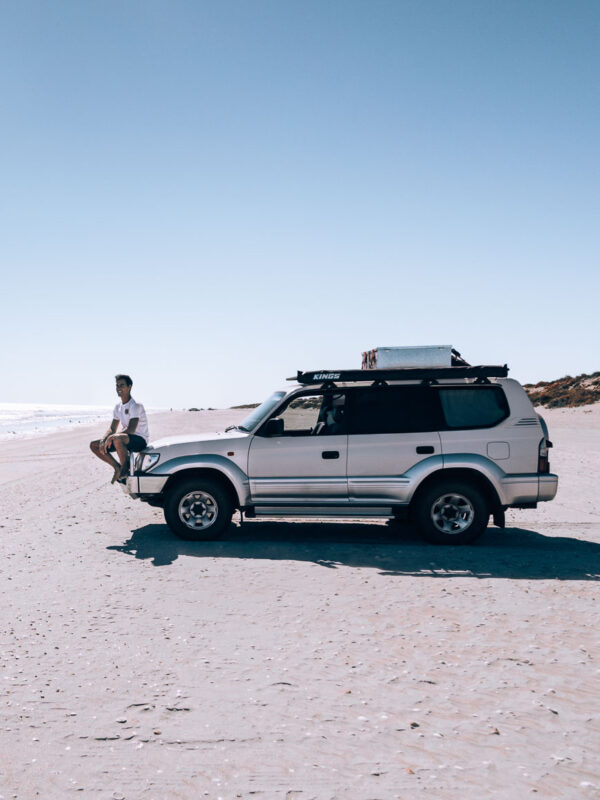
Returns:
<point x="211" y="195"/>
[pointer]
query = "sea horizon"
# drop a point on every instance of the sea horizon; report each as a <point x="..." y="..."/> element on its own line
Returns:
<point x="24" y="420"/>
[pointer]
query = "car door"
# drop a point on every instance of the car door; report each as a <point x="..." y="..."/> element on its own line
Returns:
<point x="390" y="430"/>
<point x="299" y="455"/>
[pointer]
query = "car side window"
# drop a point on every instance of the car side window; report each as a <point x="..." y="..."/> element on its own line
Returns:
<point x="473" y="406"/>
<point x="394" y="409"/>
<point x="313" y="415"/>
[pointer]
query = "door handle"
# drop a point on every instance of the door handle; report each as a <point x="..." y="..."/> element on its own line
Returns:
<point x="330" y="454"/>
<point x="425" y="448"/>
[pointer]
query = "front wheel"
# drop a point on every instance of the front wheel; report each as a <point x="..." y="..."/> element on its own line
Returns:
<point x="451" y="512"/>
<point x="198" y="509"/>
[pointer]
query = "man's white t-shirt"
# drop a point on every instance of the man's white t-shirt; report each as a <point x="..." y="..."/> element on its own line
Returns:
<point x="125" y="412"/>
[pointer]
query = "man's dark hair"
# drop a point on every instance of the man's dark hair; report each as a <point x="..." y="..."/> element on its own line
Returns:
<point x="125" y="378"/>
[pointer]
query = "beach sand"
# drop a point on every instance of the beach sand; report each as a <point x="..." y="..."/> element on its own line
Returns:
<point x="293" y="660"/>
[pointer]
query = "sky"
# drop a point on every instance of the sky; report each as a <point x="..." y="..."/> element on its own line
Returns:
<point x="209" y="196"/>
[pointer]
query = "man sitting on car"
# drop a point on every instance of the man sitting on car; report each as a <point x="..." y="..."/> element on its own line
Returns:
<point x="133" y="435"/>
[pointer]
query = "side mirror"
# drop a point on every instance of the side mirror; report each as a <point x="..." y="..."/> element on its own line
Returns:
<point x="274" y="427"/>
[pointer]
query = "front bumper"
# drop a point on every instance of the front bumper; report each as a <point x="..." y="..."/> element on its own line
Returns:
<point x="144" y="484"/>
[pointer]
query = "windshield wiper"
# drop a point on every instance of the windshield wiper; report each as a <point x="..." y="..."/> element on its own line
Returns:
<point x="237" y="428"/>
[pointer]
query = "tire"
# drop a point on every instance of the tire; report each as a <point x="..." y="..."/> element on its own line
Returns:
<point x="451" y="512"/>
<point x="198" y="509"/>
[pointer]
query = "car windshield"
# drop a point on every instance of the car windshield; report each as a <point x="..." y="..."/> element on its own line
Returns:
<point x="259" y="413"/>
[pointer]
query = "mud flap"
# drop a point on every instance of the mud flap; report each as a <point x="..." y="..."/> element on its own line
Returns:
<point x="498" y="517"/>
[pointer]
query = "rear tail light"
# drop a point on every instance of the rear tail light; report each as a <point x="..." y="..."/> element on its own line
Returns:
<point x="543" y="462"/>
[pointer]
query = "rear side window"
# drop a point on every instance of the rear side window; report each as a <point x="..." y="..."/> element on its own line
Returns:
<point x="473" y="406"/>
<point x="394" y="409"/>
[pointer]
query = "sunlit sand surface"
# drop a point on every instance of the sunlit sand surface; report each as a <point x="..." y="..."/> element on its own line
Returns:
<point x="293" y="659"/>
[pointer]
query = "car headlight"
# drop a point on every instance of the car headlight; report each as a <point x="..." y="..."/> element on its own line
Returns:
<point x="147" y="460"/>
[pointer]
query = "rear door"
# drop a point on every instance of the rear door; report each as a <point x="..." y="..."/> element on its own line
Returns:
<point x="390" y="429"/>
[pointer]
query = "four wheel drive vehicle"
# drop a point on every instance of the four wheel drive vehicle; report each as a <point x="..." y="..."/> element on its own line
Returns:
<point x="444" y="447"/>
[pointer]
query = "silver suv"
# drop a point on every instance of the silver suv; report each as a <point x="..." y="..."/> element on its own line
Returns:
<point x="444" y="447"/>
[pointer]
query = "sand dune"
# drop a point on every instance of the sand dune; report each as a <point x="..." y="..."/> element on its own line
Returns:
<point x="293" y="660"/>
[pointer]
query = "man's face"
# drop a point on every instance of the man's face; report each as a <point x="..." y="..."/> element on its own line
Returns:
<point x="122" y="388"/>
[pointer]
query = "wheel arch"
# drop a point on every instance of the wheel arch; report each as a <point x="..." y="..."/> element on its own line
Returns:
<point x="469" y="475"/>
<point x="203" y="472"/>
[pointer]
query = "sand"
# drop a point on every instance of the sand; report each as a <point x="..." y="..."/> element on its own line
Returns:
<point x="293" y="660"/>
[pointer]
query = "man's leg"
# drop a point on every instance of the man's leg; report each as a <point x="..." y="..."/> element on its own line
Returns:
<point x="95" y="448"/>
<point x="120" y="442"/>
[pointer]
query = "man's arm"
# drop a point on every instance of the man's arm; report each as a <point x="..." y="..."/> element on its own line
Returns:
<point x="113" y="429"/>
<point x="133" y="423"/>
<point x="133" y="420"/>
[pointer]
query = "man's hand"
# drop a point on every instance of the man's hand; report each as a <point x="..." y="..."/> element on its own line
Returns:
<point x="105" y="443"/>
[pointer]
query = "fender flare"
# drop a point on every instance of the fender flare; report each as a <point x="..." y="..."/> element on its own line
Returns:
<point x="236" y="477"/>
<point x="479" y="465"/>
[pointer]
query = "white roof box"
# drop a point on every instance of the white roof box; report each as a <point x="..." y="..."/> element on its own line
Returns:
<point x="406" y="357"/>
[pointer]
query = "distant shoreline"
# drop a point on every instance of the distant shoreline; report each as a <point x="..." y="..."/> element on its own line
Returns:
<point x="29" y="420"/>
<point x="39" y="426"/>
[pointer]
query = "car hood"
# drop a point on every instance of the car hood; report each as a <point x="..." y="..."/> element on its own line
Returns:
<point x="196" y="438"/>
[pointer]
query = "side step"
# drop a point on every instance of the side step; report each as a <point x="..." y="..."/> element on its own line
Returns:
<point x="318" y="511"/>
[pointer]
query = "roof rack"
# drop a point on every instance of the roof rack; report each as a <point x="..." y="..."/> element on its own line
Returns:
<point x="400" y="374"/>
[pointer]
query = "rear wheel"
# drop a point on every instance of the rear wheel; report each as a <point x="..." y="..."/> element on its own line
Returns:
<point x="198" y="509"/>
<point x="451" y="512"/>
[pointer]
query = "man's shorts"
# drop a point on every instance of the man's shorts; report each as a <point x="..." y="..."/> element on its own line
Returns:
<point x="135" y="444"/>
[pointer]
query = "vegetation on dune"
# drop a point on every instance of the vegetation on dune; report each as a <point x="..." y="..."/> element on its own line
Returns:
<point x="566" y="392"/>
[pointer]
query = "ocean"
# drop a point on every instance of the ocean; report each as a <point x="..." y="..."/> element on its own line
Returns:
<point x="18" y="420"/>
